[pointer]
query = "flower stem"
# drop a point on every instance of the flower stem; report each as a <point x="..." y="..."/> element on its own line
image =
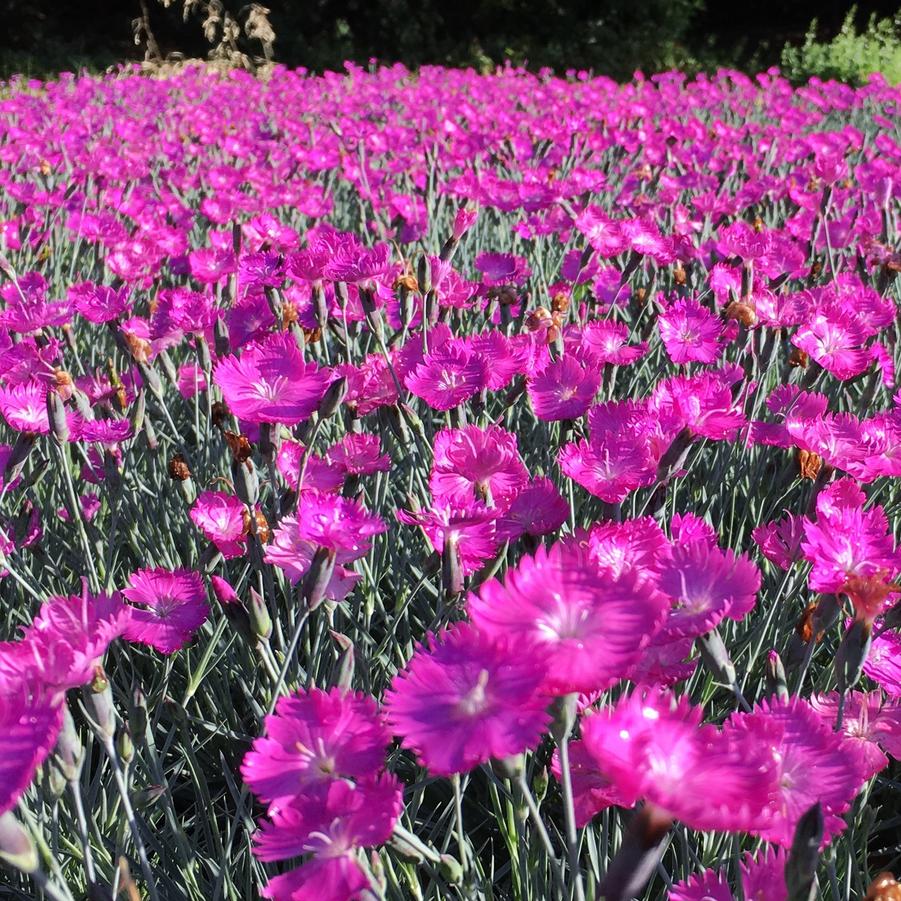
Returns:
<point x="534" y="812"/>
<point x="569" y="810"/>
<point x="458" y="814"/>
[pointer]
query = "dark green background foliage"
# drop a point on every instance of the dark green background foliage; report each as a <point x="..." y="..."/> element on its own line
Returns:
<point x="613" y="37"/>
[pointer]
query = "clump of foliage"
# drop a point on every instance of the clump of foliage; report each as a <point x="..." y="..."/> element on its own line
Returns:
<point x="850" y="56"/>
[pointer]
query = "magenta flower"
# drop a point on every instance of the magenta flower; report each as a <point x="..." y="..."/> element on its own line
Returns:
<point x="314" y="736"/>
<point x="502" y="268"/>
<point x="271" y="382"/>
<point x="469" y="529"/>
<point x="706" y="585"/>
<point x="293" y="553"/>
<point x="651" y="746"/>
<point x="565" y="388"/>
<point x="593" y="630"/>
<point x="220" y="516"/>
<point x="617" y="458"/>
<point x="30" y="721"/>
<point x="608" y="342"/>
<point x="340" y="524"/>
<point x="477" y="464"/>
<point x="67" y="639"/>
<point x="847" y="541"/>
<point x="24" y="407"/>
<point x="690" y="332"/>
<point x="872" y="724"/>
<point x="883" y="663"/>
<point x="592" y="790"/>
<point x="780" y="541"/>
<point x="168" y="608"/>
<point x="465" y="698"/>
<point x="98" y="303"/>
<point x="812" y="763"/>
<point x="762" y="879"/>
<point x="319" y="474"/>
<point x="538" y="509"/>
<point x="359" y="453"/>
<point x="635" y="545"/>
<point x="835" y="342"/>
<point x="330" y="824"/>
<point x="447" y="377"/>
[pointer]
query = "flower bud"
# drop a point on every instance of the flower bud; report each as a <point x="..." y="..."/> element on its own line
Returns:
<point x="451" y="568"/>
<point x="801" y="866"/>
<point x="716" y="657"/>
<point x="346" y="670"/>
<point x="137" y="717"/>
<point x="221" y="339"/>
<point x="450" y="869"/>
<point x="775" y="676"/>
<point x="884" y="888"/>
<point x="852" y="654"/>
<point x="333" y="398"/>
<point x="104" y="710"/>
<point x="56" y="413"/>
<point x="247" y="485"/>
<point x="16" y="846"/>
<point x="424" y="274"/>
<point x="260" y="620"/>
<point x="125" y="746"/>
<point x="316" y="581"/>
<point x="69" y="753"/>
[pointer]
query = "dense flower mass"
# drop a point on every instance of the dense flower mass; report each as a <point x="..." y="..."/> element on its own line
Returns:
<point x="399" y="471"/>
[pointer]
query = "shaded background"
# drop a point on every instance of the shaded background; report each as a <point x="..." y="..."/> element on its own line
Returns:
<point x="612" y="37"/>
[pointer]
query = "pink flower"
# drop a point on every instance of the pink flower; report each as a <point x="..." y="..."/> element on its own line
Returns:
<point x="464" y="219"/>
<point x="637" y="545"/>
<point x="690" y="332"/>
<point x="702" y="403"/>
<point x="470" y="530"/>
<point x="846" y="540"/>
<point x="592" y="790"/>
<point x="608" y="342"/>
<point x="30" y="721"/>
<point x="359" y="453"/>
<point x="477" y="464"/>
<point x="191" y="381"/>
<point x="464" y="699"/>
<point x="651" y="746"/>
<point x="502" y="268"/>
<point x="617" y="458"/>
<point x="762" y="879"/>
<point x="883" y="663"/>
<point x="318" y="475"/>
<point x="293" y="553"/>
<point x="593" y="630"/>
<point x="447" y="377"/>
<point x="780" y="541"/>
<point x="812" y="764"/>
<point x="271" y="382"/>
<point x="538" y="509"/>
<point x="565" y="388"/>
<point x="315" y="736"/>
<point x="340" y="524"/>
<point x="873" y="725"/>
<point x="220" y="516"/>
<point x="66" y="641"/>
<point x="24" y="407"/>
<point x="329" y="823"/>
<point x="835" y="342"/>
<point x="706" y="585"/>
<point x="98" y="303"/>
<point x="171" y="607"/>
